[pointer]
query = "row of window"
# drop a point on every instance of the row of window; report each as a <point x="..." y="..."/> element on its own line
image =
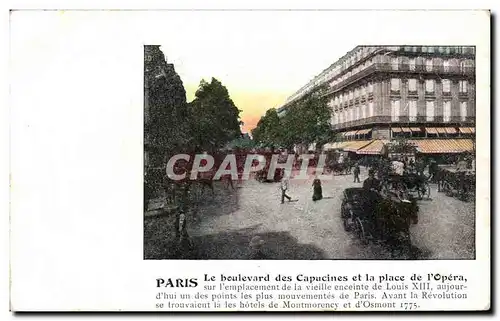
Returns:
<point x="366" y="111"/>
<point x="440" y="49"/>
<point x="396" y="62"/>
<point x="429" y="110"/>
<point x="355" y="113"/>
<point x="429" y="85"/>
<point x="358" y="92"/>
<point x="364" y="51"/>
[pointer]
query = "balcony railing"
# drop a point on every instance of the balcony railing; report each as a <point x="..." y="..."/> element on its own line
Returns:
<point x="404" y="121"/>
<point x="402" y="68"/>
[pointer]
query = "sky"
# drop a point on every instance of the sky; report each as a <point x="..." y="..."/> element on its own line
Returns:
<point x="263" y="57"/>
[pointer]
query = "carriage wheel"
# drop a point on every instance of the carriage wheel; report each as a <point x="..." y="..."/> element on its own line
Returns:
<point x="424" y="190"/>
<point x="360" y="230"/>
<point x="348" y="221"/>
<point x="447" y="188"/>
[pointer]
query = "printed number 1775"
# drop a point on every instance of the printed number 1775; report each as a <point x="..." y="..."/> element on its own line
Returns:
<point x="409" y="305"/>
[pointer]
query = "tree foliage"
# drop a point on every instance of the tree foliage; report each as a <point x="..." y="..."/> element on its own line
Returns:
<point x="172" y="125"/>
<point x="214" y="116"/>
<point x="402" y="146"/>
<point x="305" y="122"/>
<point x="268" y="132"/>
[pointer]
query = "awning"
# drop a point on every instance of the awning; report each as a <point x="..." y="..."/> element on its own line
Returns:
<point x="406" y="129"/>
<point x="364" y="131"/>
<point x="465" y="130"/>
<point x="441" y="130"/>
<point x="328" y="146"/>
<point x="451" y="130"/>
<point x="350" y="133"/>
<point x="396" y="129"/>
<point x="355" y="145"/>
<point x="438" y="146"/>
<point x="336" y="145"/>
<point x="415" y="129"/>
<point x="431" y="130"/>
<point x="341" y="145"/>
<point x="374" y="148"/>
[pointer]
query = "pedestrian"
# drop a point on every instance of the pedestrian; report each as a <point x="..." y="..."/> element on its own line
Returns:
<point x="284" y="188"/>
<point x="371" y="183"/>
<point x="317" y="190"/>
<point x="256" y="244"/>
<point x="184" y="244"/>
<point x="356" y="172"/>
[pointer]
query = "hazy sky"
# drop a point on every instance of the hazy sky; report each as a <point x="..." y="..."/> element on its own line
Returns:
<point x="264" y="56"/>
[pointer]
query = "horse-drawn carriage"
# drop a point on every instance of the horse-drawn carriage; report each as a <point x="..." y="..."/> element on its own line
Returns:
<point x="371" y="215"/>
<point x="407" y="183"/>
<point x="262" y="175"/>
<point x="459" y="183"/>
<point x="397" y="178"/>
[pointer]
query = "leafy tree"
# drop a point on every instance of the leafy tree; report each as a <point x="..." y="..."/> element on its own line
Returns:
<point x="268" y="132"/>
<point x="308" y="121"/>
<point x="244" y="142"/>
<point x="402" y="146"/>
<point x="214" y="116"/>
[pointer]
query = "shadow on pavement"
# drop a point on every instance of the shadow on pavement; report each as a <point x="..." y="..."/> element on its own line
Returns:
<point x="234" y="244"/>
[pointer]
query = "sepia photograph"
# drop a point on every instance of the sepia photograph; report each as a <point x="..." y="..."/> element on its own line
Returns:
<point x="372" y="158"/>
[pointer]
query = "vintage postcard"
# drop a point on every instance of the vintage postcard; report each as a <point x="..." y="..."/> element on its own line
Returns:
<point x="275" y="161"/>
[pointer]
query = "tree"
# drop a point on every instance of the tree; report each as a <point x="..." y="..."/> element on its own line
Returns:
<point x="268" y="132"/>
<point x="402" y="146"/>
<point x="308" y="121"/>
<point x="214" y="117"/>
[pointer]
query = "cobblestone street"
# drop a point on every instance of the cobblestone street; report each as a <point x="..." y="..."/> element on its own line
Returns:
<point x="226" y="222"/>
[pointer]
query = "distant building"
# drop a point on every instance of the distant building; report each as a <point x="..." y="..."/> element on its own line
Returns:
<point x="382" y="92"/>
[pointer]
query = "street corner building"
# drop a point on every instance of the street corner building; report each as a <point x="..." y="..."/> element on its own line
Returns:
<point x="425" y="94"/>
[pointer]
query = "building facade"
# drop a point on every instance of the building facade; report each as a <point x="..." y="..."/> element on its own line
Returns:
<point x="385" y="92"/>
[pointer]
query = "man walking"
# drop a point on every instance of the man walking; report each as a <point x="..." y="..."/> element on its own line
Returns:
<point x="356" y="173"/>
<point x="284" y="188"/>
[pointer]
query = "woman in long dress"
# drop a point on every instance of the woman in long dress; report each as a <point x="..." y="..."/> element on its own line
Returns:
<point x="317" y="190"/>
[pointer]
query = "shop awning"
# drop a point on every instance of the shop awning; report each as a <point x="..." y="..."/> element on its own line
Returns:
<point x="442" y="146"/>
<point x="451" y="130"/>
<point x="355" y="145"/>
<point x="406" y="129"/>
<point x="465" y="130"/>
<point x="441" y="130"/>
<point x="336" y="145"/>
<point x="328" y="146"/>
<point x="415" y="129"/>
<point x="364" y="131"/>
<point x="374" y="148"/>
<point x="396" y="129"/>
<point x="431" y="130"/>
